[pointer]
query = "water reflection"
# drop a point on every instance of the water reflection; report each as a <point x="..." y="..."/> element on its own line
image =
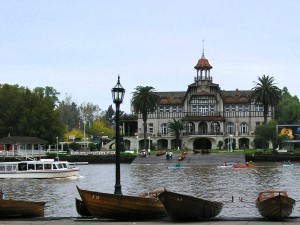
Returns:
<point x="209" y="182"/>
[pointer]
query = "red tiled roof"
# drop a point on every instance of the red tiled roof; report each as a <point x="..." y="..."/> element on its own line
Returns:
<point x="203" y="64"/>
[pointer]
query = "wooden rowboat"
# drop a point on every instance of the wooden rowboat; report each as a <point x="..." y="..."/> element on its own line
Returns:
<point x="185" y="208"/>
<point x="243" y="166"/>
<point x="121" y="207"/>
<point x="81" y="208"/>
<point x="20" y="208"/>
<point x="160" y="153"/>
<point x="196" y="151"/>
<point x="274" y="204"/>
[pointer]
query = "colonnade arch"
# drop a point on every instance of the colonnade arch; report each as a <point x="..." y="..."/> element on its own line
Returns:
<point x="202" y="143"/>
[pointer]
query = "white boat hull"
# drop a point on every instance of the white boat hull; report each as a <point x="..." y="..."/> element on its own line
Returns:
<point x="40" y="174"/>
<point x="41" y="169"/>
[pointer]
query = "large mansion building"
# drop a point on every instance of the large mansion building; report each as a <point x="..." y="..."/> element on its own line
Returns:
<point x="212" y="115"/>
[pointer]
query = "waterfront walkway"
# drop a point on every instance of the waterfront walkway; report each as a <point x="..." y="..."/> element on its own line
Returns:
<point x="193" y="159"/>
<point x="80" y="221"/>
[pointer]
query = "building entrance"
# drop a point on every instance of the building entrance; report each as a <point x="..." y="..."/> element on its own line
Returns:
<point x="202" y="143"/>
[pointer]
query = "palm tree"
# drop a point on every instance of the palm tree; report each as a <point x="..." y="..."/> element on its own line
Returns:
<point x="144" y="101"/>
<point x="266" y="93"/>
<point x="176" y="126"/>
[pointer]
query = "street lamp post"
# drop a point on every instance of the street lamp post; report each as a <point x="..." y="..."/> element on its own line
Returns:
<point x="230" y="141"/>
<point x="102" y="139"/>
<point x="137" y="145"/>
<point x="118" y="94"/>
<point x="149" y="145"/>
<point x="57" y="144"/>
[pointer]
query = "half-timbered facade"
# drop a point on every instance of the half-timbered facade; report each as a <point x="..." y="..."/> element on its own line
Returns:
<point x="212" y="115"/>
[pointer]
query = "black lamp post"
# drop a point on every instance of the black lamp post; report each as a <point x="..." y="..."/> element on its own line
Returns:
<point x="118" y="94"/>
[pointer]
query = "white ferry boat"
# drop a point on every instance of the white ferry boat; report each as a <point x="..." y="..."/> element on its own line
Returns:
<point x="39" y="169"/>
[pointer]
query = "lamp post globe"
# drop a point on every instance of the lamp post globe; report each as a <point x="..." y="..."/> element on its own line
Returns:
<point x="117" y="95"/>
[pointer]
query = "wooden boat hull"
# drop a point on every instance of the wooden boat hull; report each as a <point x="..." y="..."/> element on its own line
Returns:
<point x="184" y="208"/>
<point x="160" y="153"/>
<point x="196" y="151"/>
<point x="121" y="207"/>
<point x="243" y="167"/>
<point x="20" y="208"/>
<point x="277" y="208"/>
<point x="81" y="208"/>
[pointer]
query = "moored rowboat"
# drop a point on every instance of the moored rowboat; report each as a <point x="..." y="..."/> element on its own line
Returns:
<point x="81" y="208"/>
<point x="20" y="208"/>
<point x="183" y="207"/>
<point x="274" y="204"/>
<point x="121" y="207"/>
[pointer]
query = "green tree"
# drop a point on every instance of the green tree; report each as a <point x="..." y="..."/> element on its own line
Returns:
<point x="288" y="109"/>
<point x="29" y="113"/>
<point x="110" y="115"/>
<point x="266" y="93"/>
<point x="144" y="101"/>
<point x="69" y="113"/>
<point x="264" y="134"/>
<point x="102" y="128"/>
<point x="176" y="126"/>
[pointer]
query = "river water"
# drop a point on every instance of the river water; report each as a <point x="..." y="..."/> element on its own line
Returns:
<point x="208" y="182"/>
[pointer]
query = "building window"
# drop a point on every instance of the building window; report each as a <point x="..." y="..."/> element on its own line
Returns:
<point x="230" y="128"/>
<point x="246" y="108"/>
<point x="150" y="127"/>
<point x="194" y="108"/>
<point x="241" y="107"/>
<point x="244" y="128"/>
<point x="161" y="109"/>
<point x="164" y="129"/>
<point x="180" y="108"/>
<point x="190" y="128"/>
<point x="203" y="109"/>
<point x="167" y="108"/>
<point x="227" y="108"/>
<point x="260" y="108"/>
<point x="215" y="127"/>
<point x="174" y="109"/>
<point x="232" y="108"/>
<point x="212" y="108"/>
<point x="202" y="128"/>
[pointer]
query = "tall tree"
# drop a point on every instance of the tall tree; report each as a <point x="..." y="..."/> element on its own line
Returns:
<point x="110" y="115"/>
<point x="69" y="113"/>
<point x="144" y="101"/>
<point x="28" y="113"/>
<point x="266" y="93"/>
<point x="176" y="126"/>
<point x="288" y="109"/>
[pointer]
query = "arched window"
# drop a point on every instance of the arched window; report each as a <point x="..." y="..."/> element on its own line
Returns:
<point x="190" y="128"/>
<point x="230" y="128"/>
<point x="202" y="128"/>
<point x="244" y="128"/>
<point x="215" y="127"/>
<point x="164" y="129"/>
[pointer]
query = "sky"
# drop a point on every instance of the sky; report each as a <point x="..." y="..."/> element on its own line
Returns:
<point x="79" y="47"/>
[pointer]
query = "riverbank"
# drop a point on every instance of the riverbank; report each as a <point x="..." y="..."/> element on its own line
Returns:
<point x="80" y="221"/>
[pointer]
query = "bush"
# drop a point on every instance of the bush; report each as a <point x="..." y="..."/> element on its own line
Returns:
<point x="74" y="146"/>
<point x="220" y="144"/>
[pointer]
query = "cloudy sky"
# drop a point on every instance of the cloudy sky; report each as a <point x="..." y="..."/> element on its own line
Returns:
<point x="80" y="47"/>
